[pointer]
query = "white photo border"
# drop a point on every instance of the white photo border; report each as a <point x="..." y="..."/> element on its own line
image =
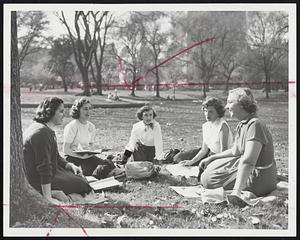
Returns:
<point x="292" y="208"/>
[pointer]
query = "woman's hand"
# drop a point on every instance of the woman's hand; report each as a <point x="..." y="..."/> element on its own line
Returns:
<point x="204" y="162"/>
<point x="85" y="156"/>
<point x="236" y="192"/>
<point x="187" y="162"/>
<point x="54" y="201"/>
<point x="76" y="170"/>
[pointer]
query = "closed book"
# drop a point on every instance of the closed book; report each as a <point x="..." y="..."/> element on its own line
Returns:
<point x="105" y="183"/>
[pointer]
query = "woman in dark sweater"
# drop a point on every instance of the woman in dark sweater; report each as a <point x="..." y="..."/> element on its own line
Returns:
<point x="46" y="170"/>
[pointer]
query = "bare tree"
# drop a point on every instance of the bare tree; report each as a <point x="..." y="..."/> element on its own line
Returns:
<point x="31" y="24"/>
<point x="132" y="40"/>
<point x="232" y="51"/>
<point x="84" y="41"/>
<point x="156" y="39"/>
<point x="221" y="54"/>
<point x="205" y="57"/>
<point x="101" y="40"/>
<point x="267" y="41"/>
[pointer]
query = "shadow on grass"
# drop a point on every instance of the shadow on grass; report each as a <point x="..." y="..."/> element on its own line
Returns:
<point x="164" y="177"/>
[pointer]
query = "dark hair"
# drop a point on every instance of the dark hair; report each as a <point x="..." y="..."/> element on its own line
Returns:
<point x="143" y="109"/>
<point x="245" y="98"/>
<point x="46" y="109"/>
<point x="216" y="103"/>
<point x="75" y="109"/>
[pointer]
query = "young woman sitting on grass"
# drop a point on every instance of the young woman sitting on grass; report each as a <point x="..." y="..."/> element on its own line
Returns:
<point x="249" y="165"/>
<point x="79" y="134"/>
<point x="145" y="143"/>
<point x="217" y="136"/>
<point x="45" y="169"/>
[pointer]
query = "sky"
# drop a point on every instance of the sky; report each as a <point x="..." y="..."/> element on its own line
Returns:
<point x="56" y="28"/>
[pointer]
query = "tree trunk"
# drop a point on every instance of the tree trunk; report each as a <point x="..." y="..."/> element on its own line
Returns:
<point x="157" y="82"/>
<point x="86" y="82"/>
<point x="25" y="202"/>
<point x="204" y="88"/>
<point x="99" y="82"/>
<point x="64" y="83"/>
<point x="267" y="87"/>
<point x="227" y="84"/>
<point x="133" y="84"/>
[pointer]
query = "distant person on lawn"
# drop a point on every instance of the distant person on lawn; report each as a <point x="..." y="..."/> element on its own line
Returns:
<point x="45" y="169"/>
<point x="145" y="143"/>
<point x="216" y="134"/>
<point x="249" y="165"/>
<point x="79" y="134"/>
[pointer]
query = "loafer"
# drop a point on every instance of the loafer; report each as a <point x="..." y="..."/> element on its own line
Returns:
<point x="237" y="201"/>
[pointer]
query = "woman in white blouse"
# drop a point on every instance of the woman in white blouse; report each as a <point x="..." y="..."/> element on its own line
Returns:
<point x="217" y="136"/>
<point x="145" y="143"/>
<point x="79" y="134"/>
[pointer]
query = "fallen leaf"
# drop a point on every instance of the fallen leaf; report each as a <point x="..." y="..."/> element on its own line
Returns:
<point x="254" y="220"/>
<point x="245" y="208"/>
<point x="258" y="214"/>
<point x="276" y="226"/>
<point x="219" y="216"/>
<point x="151" y="216"/>
<point x="213" y="219"/>
<point x="121" y="222"/>
<point x="193" y="210"/>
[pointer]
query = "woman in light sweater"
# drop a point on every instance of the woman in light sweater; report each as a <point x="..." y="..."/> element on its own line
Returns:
<point x="79" y="134"/>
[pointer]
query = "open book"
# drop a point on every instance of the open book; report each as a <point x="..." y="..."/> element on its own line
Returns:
<point x="91" y="152"/>
<point x="105" y="183"/>
<point x="91" y="179"/>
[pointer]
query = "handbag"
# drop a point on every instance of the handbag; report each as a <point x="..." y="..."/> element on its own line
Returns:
<point x="169" y="156"/>
<point x="140" y="169"/>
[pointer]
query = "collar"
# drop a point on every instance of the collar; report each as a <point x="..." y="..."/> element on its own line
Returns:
<point x="150" y="125"/>
<point x="250" y="116"/>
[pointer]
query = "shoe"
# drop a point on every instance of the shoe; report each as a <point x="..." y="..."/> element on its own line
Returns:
<point x="236" y="200"/>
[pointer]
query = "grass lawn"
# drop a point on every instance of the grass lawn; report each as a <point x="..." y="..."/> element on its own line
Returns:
<point x="181" y="126"/>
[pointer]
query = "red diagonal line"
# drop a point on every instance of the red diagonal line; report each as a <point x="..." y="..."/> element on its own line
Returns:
<point x="175" y="55"/>
<point x="82" y="228"/>
<point x="55" y="221"/>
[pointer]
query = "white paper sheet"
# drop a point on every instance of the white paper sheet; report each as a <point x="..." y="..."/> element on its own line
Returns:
<point x="188" y="192"/>
<point x="180" y="170"/>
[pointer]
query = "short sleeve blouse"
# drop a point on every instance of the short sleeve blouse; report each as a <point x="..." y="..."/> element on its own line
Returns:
<point x="79" y="135"/>
<point x="254" y="129"/>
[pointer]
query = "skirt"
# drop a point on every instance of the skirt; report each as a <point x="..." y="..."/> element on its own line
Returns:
<point x="87" y="165"/>
<point x="143" y="153"/>
<point x="66" y="181"/>
<point x="222" y="173"/>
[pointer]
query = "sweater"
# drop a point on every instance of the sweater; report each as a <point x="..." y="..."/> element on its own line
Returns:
<point x="41" y="155"/>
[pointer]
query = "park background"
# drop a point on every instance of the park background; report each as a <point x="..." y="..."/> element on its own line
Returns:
<point x="176" y="89"/>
